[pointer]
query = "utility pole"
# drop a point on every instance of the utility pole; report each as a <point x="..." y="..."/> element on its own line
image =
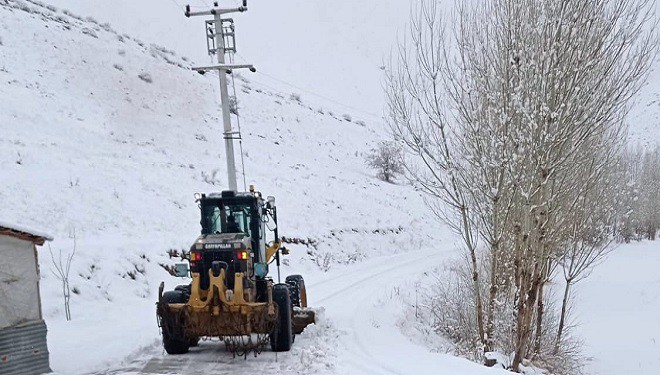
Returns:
<point x="220" y="41"/>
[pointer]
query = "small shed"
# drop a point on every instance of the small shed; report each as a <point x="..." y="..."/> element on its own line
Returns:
<point x="23" y="348"/>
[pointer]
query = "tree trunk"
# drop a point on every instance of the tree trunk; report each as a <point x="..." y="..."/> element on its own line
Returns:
<point x="527" y="302"/>
<point x="477" y="296"/>
<point x="475" y="274"/>
<point x="490" y="313"/>
<point x="540" y="308"/>
<point x="562" y="317"/>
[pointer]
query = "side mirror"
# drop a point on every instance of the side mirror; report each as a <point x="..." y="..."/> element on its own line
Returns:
<point x="271" y="201"/>
<point x="261" y="269"/>
<point x="181" y="269"/>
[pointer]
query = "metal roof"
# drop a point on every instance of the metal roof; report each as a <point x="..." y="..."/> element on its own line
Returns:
<point x="35" y="236"/>
<point x="23" y="349"/>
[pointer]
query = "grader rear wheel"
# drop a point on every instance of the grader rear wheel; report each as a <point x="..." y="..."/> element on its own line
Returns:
<point x="175" y="344"/>
<point x="298" y="291"/>
<point x="174" y="339"/>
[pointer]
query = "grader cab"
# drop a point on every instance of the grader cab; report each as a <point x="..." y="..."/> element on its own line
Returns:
<point x="232" y="296"/>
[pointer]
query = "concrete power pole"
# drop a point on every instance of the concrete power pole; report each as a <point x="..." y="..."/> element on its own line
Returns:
<point x="220" y="41"/>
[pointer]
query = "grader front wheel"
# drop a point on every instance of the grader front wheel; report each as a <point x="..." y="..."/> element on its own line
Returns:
<point x="282" y="336"/>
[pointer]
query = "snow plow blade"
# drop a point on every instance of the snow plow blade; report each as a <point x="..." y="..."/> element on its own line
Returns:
<point x="302" y="317"/>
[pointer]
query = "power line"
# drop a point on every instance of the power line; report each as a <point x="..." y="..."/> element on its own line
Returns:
<point x="276" y="90"/>
<point x="311" y="92"/>
<point x="318" y="95"/>
<point x="178" y="6"/>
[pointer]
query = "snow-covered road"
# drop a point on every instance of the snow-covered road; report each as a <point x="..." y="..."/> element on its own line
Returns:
<point x="358" y="333"/>
<point x="372" y="343"/>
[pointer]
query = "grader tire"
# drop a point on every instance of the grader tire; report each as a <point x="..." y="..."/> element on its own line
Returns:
<point x="175" y="296"/>
<point x="174" y="340"/>
<point x="298" y="291"/>
<point x="175" y="345"/>
<point x="185" y="289"/>
<point x="282" y="336"/>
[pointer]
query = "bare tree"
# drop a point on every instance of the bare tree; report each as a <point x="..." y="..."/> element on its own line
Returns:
<point x="386" y="159"/>
<point x="628" y="171"/>
<point x="501" y="119"/>
<point x="649" y="202"/>
<point x="587" y="233"/>
<point x="62" y="269"/>
<point x="415" y="96"/>
<point x="638" y="199"/>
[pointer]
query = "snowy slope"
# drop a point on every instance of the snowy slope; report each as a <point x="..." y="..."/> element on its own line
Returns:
<point x="332" y="48"/>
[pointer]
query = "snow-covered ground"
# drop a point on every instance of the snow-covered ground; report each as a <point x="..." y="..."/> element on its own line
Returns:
<point x="618" y="312"/>
<point x="105" y="137"/>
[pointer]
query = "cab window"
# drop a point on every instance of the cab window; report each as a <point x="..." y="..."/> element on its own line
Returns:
<point x="226" y="218"/>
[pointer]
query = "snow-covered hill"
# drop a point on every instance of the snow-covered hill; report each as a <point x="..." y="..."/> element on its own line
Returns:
<point x="331" y="48"/>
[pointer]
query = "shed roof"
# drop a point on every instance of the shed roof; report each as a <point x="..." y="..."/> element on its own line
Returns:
<point x="23" y="233"/>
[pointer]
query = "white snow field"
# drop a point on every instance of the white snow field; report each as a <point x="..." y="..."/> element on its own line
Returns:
<point x="105" y="138"/>
<point x="618" y="312"/>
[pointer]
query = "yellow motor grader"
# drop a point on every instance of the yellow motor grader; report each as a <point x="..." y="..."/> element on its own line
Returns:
<point x="231" y="296"/>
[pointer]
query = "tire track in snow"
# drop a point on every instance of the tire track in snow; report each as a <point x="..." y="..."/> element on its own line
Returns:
<point x="359" y="296"/>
